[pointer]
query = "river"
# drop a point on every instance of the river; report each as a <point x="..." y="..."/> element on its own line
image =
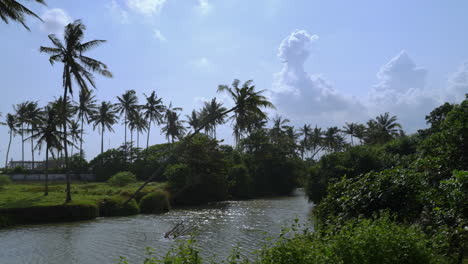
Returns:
<point x="220" y="226"/>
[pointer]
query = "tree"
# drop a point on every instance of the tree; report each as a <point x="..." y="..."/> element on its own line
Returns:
<point x="33" y="118"/>
<point x="14" y="11"/>
<point x="279" y="128"/>
<point x="211" y="111"/>
<point x="154" y="112"/>
<point x="249" y="104"/>
<point x="48" y="133"/>
<point x="85" y="108"/>
<point x="317" y="141"/>
<point x="350" y="129"/>
<point x="127" y="105"/>
<point x="105" y="117"/>
<point x="382" y="129"/>
<point x="333" y="141"/>
<point x="194" y="120"/>
<point x="12" y="127"/>
<point x="305" y="131"/>
<point x="75" y="66"/>
<point x="138" y="122"/>
<point x="75" y="133"/>
<point x="174" y="127"/>
<point x="21" y="119"/>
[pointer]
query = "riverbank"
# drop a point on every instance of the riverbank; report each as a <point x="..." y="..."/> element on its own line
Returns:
<point x="25" y="203"/>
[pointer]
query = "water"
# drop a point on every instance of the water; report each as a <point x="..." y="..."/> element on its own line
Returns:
<point x="220" y="226"/>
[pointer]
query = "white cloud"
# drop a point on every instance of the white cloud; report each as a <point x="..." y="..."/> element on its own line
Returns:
<point x="201" y="63"/>
<point x="118" y="12"/>
<point x="55" y="20"/>
<point x="457" y="85"/>
<point x="307" y="97"/>
<point x="159" y="36"/>
<point x="204" y="7"/>
<point x="146" y="7"/>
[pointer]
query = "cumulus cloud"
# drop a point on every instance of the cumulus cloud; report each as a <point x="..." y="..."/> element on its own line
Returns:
<point x="146" y="7"/>
<point x="204" y="7"/>
<point x="308" y="97"/>
<point x="55" y="20"/>
<point x="457" y="85"/>
<point x="401" y="90"/>
<point x="159" y="36"/>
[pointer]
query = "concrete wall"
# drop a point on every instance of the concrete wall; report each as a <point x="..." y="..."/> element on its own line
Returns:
<point x="52" y="177"/>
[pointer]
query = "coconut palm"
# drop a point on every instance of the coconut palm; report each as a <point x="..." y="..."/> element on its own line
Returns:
<point x="212" y="113"/>
<point x="350" y="129"/>
<point x="47" y="133"/>
<point x="194" y="120"/>
<point x="33" y="118"/>
<point x="14" y="11"/>
<point x="75" y="133"/>
<point x="21" y="110"/>
<point x="85" y="107"/>
<point x="305" y="131"/>
<point x="382" y="129"/>
<point x="127" y="105"/>
<point x="154" y="112"/>
<point x="12" y="127"/>
<point x="248" y="106"/>
<point x="76" y="66"/>
<point x="174" y="127"/>
<point x="317" y="143"/>
<point x="138" y="123"/>
<point x="333" y="141"/>
<point x="105" y="117"/>
<point x="279" y="128"/>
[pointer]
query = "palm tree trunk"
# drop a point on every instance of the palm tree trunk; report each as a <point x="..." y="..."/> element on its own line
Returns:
<point x="138" y="139"/>
<point x="8" y="150"/>
<point x="67" y="175"/>
<point x="352" y="143"/>
<point x="32" y="146"/>
<point x="147" y="138"/>
<point x="81" y="137"/>
<point x="125" y="125"/>
<point x="131" y="144"/>
<point x="102" y="139"/>
<point x="22" y="145"/>
<point x="46" y="191"/>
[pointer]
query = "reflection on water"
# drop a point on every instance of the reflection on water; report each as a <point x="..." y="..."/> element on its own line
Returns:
<point x="220" y="226"/>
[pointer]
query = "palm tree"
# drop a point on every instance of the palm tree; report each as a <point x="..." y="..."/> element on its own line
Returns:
<point x="33" y="119"/>
<point x="21" y="119"/>
<point x="12" y="124"/>
<point x="382" y="129"/>
<point x="211" y="111"/>
<point x="350" y="129"/>
<point x="105" y="117"/>
<point x="14" y="11"/>
<point x="174" y="127"/>
<point x="154" y="112"/>
<point x="279" y="128"/>
<point x="138" y="122"/>
<point x="249" y="104"/>
<point x="75" y="66"/>
<point x="194" y="120"/>
<point x="65" y="111"/>
<point x="48" y="133"/>
<point x="75" y="133"/>
<point x="85" y="109"/>
<point x="316" y="141"/>
<point x="360" y="132"/>
<point x="333" y="141"/>
<point x="126" y="106"/>
<point x="305" y="131"/>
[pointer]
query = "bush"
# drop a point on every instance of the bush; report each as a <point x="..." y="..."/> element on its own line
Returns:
<point x="4" y="180"/>
<point x="240" y="181"/>
<point x="357" y="242"/>
<point x="155" y="202"/>
<point x="122" y="179"/>
<point x="177" y="175"/>
<point x="115" y="206"/>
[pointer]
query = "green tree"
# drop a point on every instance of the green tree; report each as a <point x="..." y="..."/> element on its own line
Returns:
<point x="212" y="113"/>
<point x="174" y="127"/>
<point x="75" y="133"/>
<point x="12" y="130"/>
<point x="194" y="120"/>
<point x="105" y="117"/>
<point x="85" y="108"/>
<point x="21" y="112"/>
<point x="75" y="66"/>
<point x="138" y="123"/>
<point x="279" y="128"/>
<point x="350" y="129"/>
<point x="154" y="110"/>
<point x="306" y="132"/>
<point x="14" y="11"/>
<point x="33" y="119"/>
<point x="127" y="105"/>
<point x="382" y="129"/>
<point x="333" y="141"/>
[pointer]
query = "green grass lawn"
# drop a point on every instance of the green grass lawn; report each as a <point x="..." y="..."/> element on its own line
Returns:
<point x="20" y="195"/>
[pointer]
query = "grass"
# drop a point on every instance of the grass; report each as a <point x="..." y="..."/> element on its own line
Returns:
<point x="21" y="195"/>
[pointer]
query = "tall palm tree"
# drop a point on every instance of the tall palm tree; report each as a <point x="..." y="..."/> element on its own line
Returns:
<point x="174" y="127"/>
<point x="279" y="128"/>
<point x="154" y="112"/>
<point x="75" y="133"/>
<point x="21" y="111"/>
<point x="12" y="127"/>
<point x="33" y="119"/>
<point x="249" y="104"/>
<point x="194" y="120"/>
<point x="105" y="117"/>
<point x="48" y="133"/>
<point x="333" y="140"/>
<point x="75" y="66"/>
<point x="316" y="141"/>
<point x="65" y="111"/>
<point x="382" y="129"/>
<point x="360" y="132"/>
<point x="139" y="124"/>
<point x="127" y="105"/>
<point x="211" y="111"/>
<point x="350" y="129"/>
<point x="85" y="108"/>
<point x="14" y="11"/>
<point x="305" y="131"/>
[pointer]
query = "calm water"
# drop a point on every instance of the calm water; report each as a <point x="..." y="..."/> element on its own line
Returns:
<point x="220" y="226"/>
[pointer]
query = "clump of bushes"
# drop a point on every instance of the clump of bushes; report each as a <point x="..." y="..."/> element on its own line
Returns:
<point x="155" y="202"/>
<point x="122" y="178"/>
<point x="4" y="180"/>
<point x="115" y="206"/>
<point x="240" y="181"/>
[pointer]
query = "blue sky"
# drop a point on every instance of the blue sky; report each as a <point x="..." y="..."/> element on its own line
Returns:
<point x="322" y="62"/>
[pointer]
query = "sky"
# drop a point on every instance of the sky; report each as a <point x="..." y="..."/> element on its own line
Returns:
<point x="321" y="62"/>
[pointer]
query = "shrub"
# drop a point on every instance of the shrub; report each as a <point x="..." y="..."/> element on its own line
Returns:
<point x="115" y="206"/>
<point x="240" y="181"/>
<point x="4" y="180"/>
<point x="122" y="179"/>
<point x="155" y="202"/>
<point x="177" y="175"/>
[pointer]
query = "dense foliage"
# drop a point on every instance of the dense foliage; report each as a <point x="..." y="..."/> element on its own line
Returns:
<point x="122" y="179"/>
<point x="4" y="180"/>
<point x="155" y="202"/>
